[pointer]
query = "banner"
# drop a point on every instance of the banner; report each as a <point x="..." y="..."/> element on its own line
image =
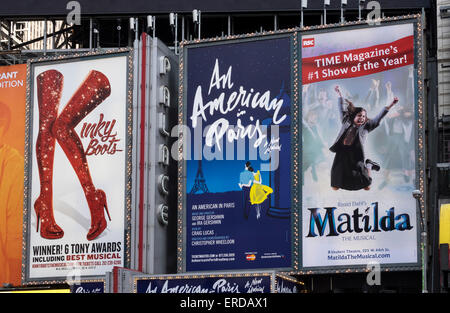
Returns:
<point x="359" y="135"/>
<point x="12" y="138"/>
<point x="77" y="186"/>
<point x="88" y="287"/>
<point x="225" y="283"/>
<point x="238" y="155"/>
<point x="357" y="62"/>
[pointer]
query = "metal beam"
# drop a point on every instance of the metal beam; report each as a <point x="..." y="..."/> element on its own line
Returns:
<point x="41" y="38"/>
<point x="7" y="33"/>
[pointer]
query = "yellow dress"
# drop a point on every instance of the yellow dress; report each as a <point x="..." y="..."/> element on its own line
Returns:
<point x="259" y="192"/>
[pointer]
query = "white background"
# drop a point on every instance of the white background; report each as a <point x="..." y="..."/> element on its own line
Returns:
<point x="71" y="210"/>
<point x="402" y="245"/>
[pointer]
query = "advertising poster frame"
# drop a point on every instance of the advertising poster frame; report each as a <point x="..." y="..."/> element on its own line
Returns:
<point x="93" y="130"/>
<point x="88" y="286"/>
<point x="294" y="146"/>
<point x="418" y="128"/>
<point x="12" y="141"/>
<point x="206" y="281"/>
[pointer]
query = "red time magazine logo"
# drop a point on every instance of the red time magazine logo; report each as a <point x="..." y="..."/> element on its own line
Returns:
<point x="308" y="42"/>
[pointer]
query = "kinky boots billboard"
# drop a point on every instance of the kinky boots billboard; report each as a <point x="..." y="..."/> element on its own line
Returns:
<point x="77" y="164"/>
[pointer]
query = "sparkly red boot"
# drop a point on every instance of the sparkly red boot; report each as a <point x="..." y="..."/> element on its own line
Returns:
<point x="49" y="87"/>
<point x="93" y="91"/>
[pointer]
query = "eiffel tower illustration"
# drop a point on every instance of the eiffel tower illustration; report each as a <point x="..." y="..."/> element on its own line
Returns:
<point x="200" y="182"/>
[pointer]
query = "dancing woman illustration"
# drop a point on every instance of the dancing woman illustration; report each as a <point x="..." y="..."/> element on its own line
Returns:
<point x="258" y="191"/>
<point x="350" y="170"/>
<point x="93" y="91"/>
<point x="245" y="182"/>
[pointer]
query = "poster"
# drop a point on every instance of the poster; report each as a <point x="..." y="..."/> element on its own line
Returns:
<point x="12" y="138"/>
<point x="359" y="135"/>
<point x="225" y="283"/>
<point x="238" y="180"/>
<point x="77" y="186"/>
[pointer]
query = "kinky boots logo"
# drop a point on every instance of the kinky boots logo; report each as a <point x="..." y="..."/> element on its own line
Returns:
<point x="102" y="135"/>
<point x="323" y="221"/>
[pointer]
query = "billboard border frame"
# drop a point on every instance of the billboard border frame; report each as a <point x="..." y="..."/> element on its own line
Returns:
<point x="210" y="274"/>
<point x="28" y="154"/>
<point x="418" y="33"/>
<point x="81" y="281"/>
<point x="292" y="34"/>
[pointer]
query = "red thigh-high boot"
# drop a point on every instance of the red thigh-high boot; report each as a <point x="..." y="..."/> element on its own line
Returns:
<point x="49" y="87"/>
<point x="88" y="96"/>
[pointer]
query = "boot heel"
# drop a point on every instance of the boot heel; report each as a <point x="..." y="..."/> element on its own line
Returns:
<point x="105" y="203"/>
<point x="37" y="222"/>
<point x="107" y="212"/>
<point x="97" y="204"/>
<point x="48" y="227"/>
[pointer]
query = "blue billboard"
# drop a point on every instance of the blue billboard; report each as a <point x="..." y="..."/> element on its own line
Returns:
<point x="232" y="283"/>
<point x="237" y="102"/>
<point x="88" y="287"/>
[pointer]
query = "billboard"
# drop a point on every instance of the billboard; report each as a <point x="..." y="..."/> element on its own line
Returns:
<point x="360" y="146"/>
<point x="12" y="137"/>
<point x="78" y="166"/>
<point x="227" y="282"/>
<point x="88" y="286"/>
<point x="236" y="180"/>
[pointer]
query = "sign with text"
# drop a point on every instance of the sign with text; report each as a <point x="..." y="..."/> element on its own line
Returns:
<point x="12" y="137"/>
<point x="88" y="287"/>
<point x="226" y="283"/>
<point x="77" y="187"/>
<point x="237" y="188"/>
<point x="359" y="135"/>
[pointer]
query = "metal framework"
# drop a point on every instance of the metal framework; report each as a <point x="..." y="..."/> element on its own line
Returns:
<point x="24" y="38"/>
<point x="28" y="38"/>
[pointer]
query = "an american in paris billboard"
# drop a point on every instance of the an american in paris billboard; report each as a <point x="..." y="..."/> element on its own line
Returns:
<point x="238" y="102"/>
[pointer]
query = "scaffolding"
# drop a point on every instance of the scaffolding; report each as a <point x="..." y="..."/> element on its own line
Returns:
<point x="443" y="57"/>
<point x="21" y="40"/>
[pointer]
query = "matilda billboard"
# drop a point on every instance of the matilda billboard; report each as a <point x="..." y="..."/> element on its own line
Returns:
<point x="78" y="151"/>
<point x="236" y="178"/>
<point x="360" y="146"/>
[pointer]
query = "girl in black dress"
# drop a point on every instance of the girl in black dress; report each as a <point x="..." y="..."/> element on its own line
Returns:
<point x="350" y="170"/>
